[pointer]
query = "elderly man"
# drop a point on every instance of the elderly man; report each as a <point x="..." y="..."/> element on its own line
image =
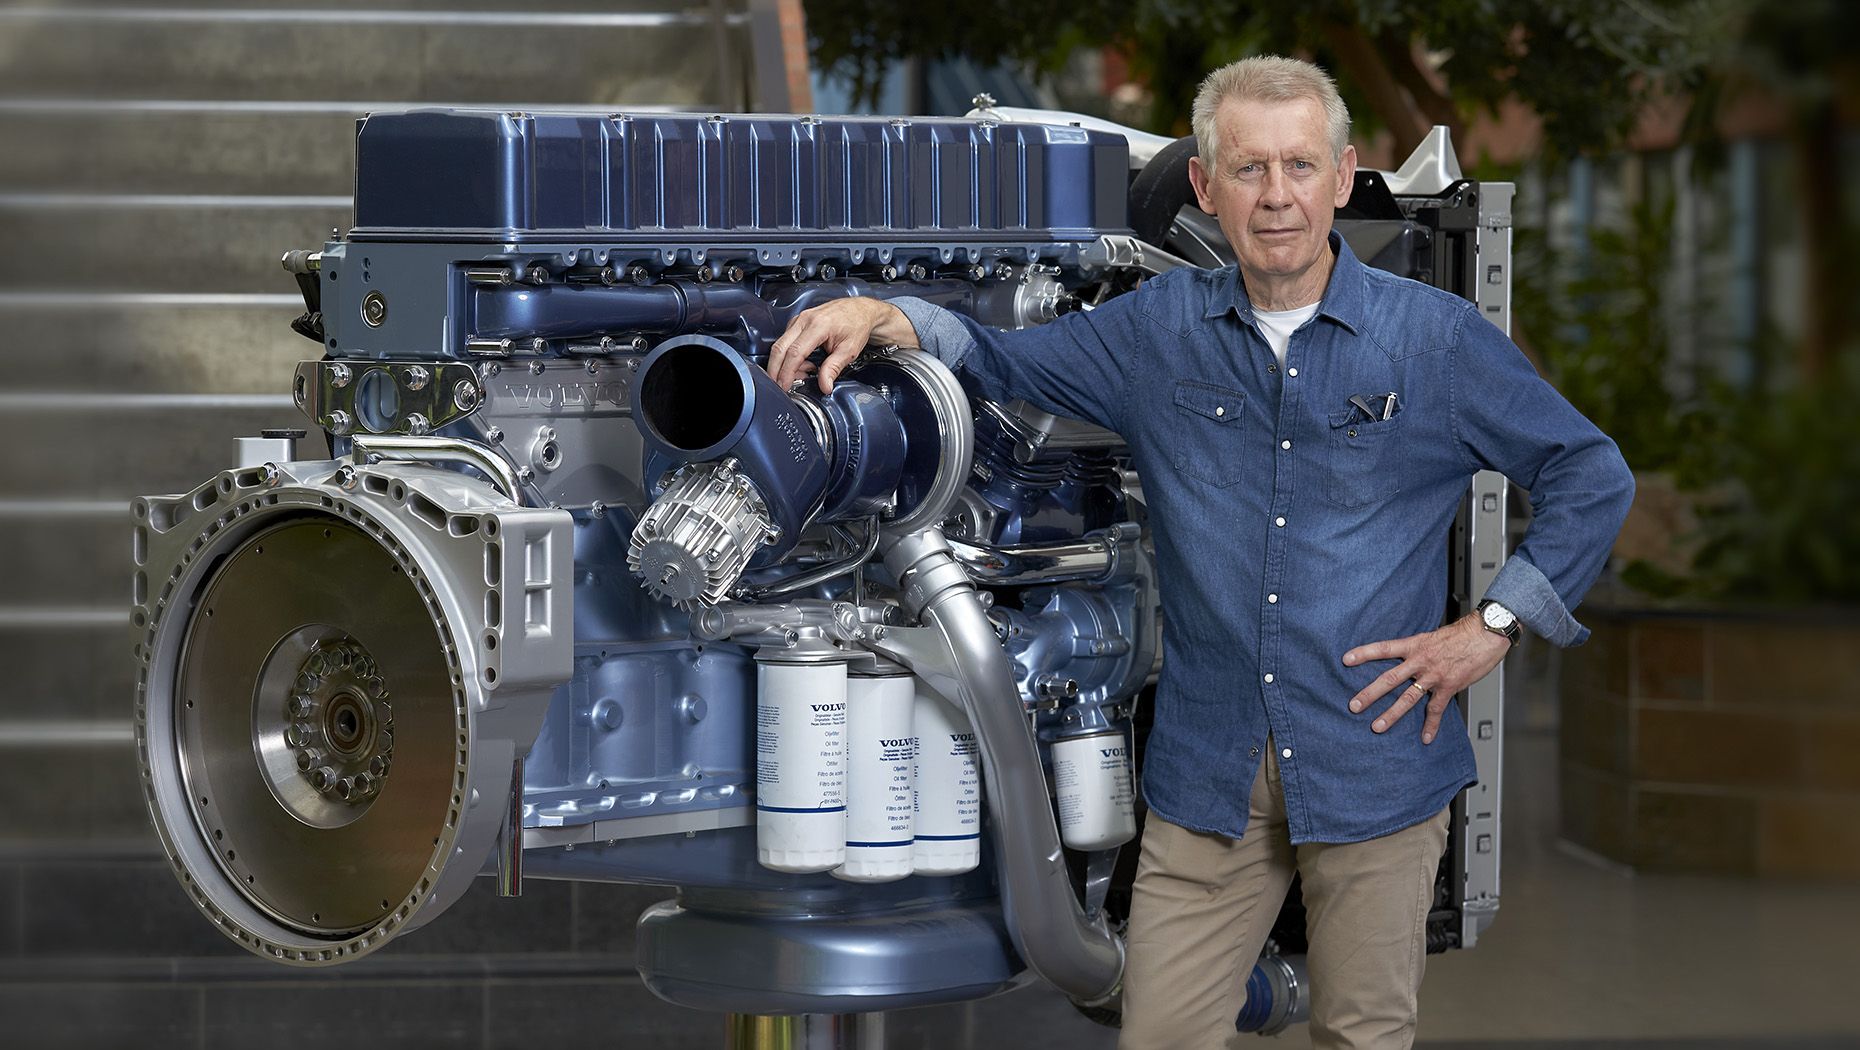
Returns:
<point x="1303" y="573"/>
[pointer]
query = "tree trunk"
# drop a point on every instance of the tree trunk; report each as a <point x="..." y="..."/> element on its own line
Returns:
<point x="1825" y="314"/>
<point x="1358" y="56"/>
<point x="1398" y="55"/>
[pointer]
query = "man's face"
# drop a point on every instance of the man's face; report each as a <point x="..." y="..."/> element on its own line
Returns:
<point x="1275" y="185"/>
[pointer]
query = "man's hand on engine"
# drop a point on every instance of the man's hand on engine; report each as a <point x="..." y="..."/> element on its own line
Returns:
<point x="1441" y="663"/>
<point x="845" y="327"/>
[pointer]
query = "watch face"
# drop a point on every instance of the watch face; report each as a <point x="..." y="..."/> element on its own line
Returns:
<point x="1497" y="616"/>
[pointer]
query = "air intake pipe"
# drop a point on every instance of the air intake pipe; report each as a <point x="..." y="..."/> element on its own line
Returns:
<point x="749" y="464"/>
<point x="1278" y="995"/>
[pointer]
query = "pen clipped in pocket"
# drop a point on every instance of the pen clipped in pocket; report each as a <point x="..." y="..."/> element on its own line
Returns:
<point x="1364" y="461"/>
<point x="1374" y="408"/>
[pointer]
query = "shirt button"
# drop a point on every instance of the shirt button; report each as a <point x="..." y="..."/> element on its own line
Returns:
<point x="1287" y="753"/>
<point x="1280" y="522"/>
<point x="1285" y="444"/>
<point x="1274" y="369"/>
<point x="1293" y="372"/>
<point x="1272" y="599"/>
<point x="1252" y="752"/>
<point x="1220" y="410"/>
<point x="1269" y="678"/>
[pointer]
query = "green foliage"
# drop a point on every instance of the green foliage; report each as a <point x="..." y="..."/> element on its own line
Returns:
<point x="1597" y="322"/>
<point x="860" y="40"/>
<point x="1784" y="528"/>
<point x="1774" y="474"/>
<point x="1586" y="66"/>
<point x="1798" y="50"/>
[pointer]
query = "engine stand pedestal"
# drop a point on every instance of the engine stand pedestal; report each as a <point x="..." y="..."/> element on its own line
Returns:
<point x="805" y="1032"/>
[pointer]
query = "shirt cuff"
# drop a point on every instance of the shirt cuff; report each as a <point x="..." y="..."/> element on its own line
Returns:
<point x="938" y="331"/>
<point x="1523" y="588"/>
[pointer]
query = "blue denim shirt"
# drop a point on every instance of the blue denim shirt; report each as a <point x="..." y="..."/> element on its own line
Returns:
<point x="1289" y="529"/>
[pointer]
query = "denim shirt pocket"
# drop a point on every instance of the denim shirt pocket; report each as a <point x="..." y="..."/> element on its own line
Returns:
<point x="1207" y="433"/>
<point x="1365" y="459"/>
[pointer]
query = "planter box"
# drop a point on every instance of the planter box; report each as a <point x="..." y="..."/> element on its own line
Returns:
<point x="1714" y="741"/>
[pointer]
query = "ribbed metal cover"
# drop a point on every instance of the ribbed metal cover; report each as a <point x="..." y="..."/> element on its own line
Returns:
<point x="626" y="175"/>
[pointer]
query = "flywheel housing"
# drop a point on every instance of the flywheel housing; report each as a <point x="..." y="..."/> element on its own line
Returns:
<point x="341" y="666"/>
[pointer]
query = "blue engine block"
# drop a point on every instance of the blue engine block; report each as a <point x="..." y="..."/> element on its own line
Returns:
<point x="551" y="323"/>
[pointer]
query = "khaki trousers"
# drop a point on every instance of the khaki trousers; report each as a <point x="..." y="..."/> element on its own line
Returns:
<point x="1204" y="904"/>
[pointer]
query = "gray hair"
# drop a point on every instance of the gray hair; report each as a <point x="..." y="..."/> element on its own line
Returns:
<point x="1269" y="78"/>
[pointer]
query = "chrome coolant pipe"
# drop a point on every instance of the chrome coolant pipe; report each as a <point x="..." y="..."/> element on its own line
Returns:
<point x="1098" y="556"/>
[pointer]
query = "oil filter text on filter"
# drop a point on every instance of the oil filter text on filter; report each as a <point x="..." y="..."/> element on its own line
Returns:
<point x="801" y="756"/>
<point x="948" y="839"/>
<point x="1091" y="783"/>
<point x="881" y="756"/>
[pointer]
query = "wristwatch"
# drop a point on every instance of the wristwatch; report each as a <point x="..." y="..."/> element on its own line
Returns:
<point x="1499" y="620"/>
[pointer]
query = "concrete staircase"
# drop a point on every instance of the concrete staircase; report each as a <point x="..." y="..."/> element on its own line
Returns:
<point x="154" y="164"/>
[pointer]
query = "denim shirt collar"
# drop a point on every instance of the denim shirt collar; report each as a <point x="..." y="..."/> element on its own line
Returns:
<point x="1343" y="297"/>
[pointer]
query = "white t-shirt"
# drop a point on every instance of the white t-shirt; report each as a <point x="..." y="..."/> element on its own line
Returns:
<point x="1278" y="325"/>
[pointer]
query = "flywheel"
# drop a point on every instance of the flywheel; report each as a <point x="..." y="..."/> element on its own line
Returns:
<point x="336" y="687"/>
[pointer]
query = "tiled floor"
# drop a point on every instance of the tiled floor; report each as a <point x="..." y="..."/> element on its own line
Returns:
<point x="1582" y="950"/>
<point x="1588" y="956"/>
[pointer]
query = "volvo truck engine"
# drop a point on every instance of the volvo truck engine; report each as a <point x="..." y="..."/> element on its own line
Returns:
<point x="558" y="583"/>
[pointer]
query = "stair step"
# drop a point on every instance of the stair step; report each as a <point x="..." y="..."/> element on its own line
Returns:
<point x="74" y="451"/>
<point x="189" y="147"/>
<point x="69" y="673"/>
<point x="280" y="9"/>
<point x="58" y="556"/>
<point x="607" y="58"/>
<point x="148" y="243"/>
<point x="154" y="163"/>
<point x="86" y="793"/>
<point x="159" y="344"/>
<point x="178" y="150"/>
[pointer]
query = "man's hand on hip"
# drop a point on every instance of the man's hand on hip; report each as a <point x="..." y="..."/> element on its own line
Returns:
<point x="1441" y="663"/>
<point x="845" y="327"/>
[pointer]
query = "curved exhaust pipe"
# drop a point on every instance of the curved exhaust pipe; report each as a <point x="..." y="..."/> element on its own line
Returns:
<point x="957" y="654"/>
